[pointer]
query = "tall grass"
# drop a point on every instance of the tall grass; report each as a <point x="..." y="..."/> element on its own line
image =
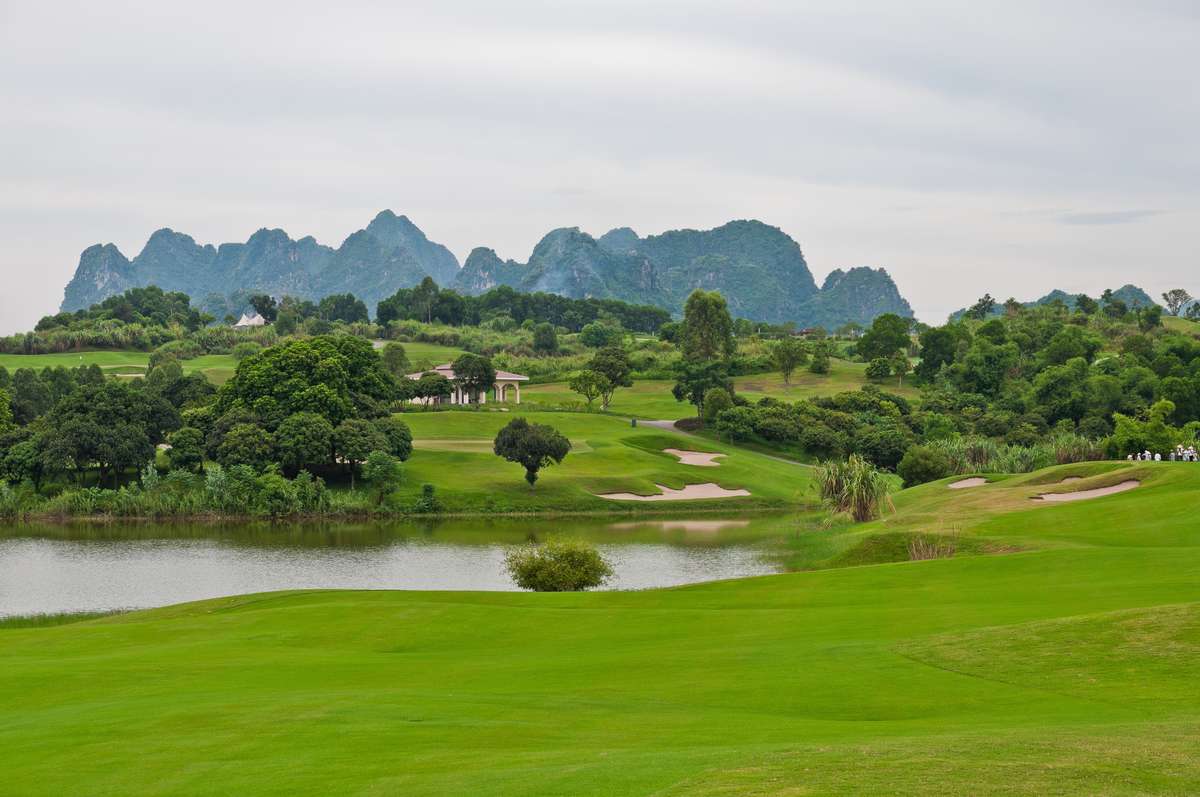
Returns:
<point x="854" y="487"/>
<point x="984" y="455"/>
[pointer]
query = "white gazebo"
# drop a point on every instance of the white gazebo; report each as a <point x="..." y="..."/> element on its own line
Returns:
<point x="507" y="387"/>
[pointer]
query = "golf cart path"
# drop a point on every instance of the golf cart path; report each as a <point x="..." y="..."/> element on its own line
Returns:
<point x="669" y="426"/>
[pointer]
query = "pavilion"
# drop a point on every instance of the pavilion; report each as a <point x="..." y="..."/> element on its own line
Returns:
<point x="507" y="387"/>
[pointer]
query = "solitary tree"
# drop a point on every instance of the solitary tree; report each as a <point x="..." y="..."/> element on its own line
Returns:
<point x="788" y="354"/>
<point x="531" y="445"/>
<point x="820" y="362"/>
<point x="589" y="384"/>
<point x="900" y="366"/>
<point x="613" y="363"/>
<point x="707" y="332"/>
<point x="888" y="334"/>
<point x="982" y="308"/>
<point x="1176" y="299"/>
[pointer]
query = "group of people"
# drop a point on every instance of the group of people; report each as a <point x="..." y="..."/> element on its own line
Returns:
<point x="1180" y="454"/>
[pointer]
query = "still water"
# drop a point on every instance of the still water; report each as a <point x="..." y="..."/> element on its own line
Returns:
<point x="81" y="567"/>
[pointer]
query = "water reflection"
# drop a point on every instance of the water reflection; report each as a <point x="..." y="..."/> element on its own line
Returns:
<point x="76" y="567"/>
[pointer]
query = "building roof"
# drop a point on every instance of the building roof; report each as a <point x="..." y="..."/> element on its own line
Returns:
<point x="251" y="319"/>
<point x="447" y="371"/>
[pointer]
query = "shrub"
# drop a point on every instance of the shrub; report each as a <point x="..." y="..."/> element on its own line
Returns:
<point x="879" y="368"/>
<point x="922" y="464"/>
<point x="557" y="565"/>
<point x="246" y="349"/>
<point x="428" y="502"/>
<point x="716" y="401"/>
<point x="854" y="487"/>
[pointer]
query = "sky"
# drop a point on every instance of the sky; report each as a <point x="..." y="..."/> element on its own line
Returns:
<point x="1005" y="147"/>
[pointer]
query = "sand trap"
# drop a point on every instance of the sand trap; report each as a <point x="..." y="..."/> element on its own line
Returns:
<point x="695" y="457"/>
<point x="1080" y="495"/>
<point x="974" y="481"/>
<point x="1066" y="479"/>
<point x="688" y="493"/>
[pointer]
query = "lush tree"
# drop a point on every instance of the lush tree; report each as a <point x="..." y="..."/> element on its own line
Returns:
<point x="878" y="369"/>
<point x="187" y="449"/>
<point x="597" y="335"/>
<point x="1150" y="317"/>
<point x="114" y="427"/>
<point x="265" y="306"/>
<point x="589" y="384"/>
<point x="716" y="401"/>
<point x="337" y="377"/>
<point x="424" y="297"/>
<point x="557" y="565"/>
<point x="395" y="359"/>
<point x="474" y="374"/>
<point x="545" y="339"/>
<point x="384" y="473"/>
<point x="922" y="464"/>
<point x="788" y="354"/>
<point x="888" y="334"/>
<point x="246" y="444"/>
<point x="433" y="385"/>
<point x="900" y="366"/>
<point x="982" y="308"/>
<point x="1176" y="299"/>
<point x="694" y="379"/>
<point x="7" y="424"/>
<point x="820" y="362"/>
<point x="707" y="332"/>
<point x="531" y="445"/>
<point x="353" y="442"/>
<point x="1086" y="304"/>
<point x="1012" y="307"/>
<point x="304" y="440"/>
<point x="613" y="363"/>
<point x="398" y="435"/>
<point x="343" y="307"/>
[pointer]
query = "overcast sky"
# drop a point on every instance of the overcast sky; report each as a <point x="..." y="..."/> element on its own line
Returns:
<point x="1010" y="147"/>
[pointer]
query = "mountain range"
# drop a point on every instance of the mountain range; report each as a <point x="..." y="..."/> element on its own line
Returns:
<point x="1133" y="297"/>
<point x="758" y="268"/>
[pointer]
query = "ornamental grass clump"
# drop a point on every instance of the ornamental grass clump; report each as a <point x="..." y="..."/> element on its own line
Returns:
<point x="854" y="487"/>
<point x="557" y="565"/>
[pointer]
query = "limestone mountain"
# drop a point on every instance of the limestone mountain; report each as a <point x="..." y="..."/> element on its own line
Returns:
<point x="1133" y="297"/>
<point x="390" y="253"/>
<point x="759" y="269"/>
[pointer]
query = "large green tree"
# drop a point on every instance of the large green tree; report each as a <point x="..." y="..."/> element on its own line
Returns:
<point x="707" y="332"/>
<point x="474" y="374"/>
<point x="353" y="442"/>
<point x="532" y="445"/>
<point x="693" y="380"/>
<point x="612" y="362"/>
<point x="788" y="354"/>
<point x="304" y="440"/>
<point x="888" y="334"/>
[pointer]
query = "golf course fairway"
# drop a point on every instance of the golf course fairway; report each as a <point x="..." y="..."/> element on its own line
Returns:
<point x="1065" y="660"/>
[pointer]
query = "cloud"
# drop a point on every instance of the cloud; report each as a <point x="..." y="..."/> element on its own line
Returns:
<point x="492" y="123"/>
<point x="1108" y="217"/>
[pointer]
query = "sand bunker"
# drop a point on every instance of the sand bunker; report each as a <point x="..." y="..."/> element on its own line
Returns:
<point x="974" y="481"/>
<point x="694" y="457"/>
<point x="690" y="492"/>
<point x="1080" y="495"/>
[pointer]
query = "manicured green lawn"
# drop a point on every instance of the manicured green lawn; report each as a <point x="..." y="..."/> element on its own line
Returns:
<point x="453" y="451"/>
<point x="652" y="398"/>
<point x="428" y="355"/>
<point x="217" y="367"/>
<point x="1072" y="667"/>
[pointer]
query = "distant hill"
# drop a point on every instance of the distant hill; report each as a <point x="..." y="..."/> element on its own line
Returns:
<point x="758" y="268"/>
<point x="390" y="253"/>
<point x="1133" y="296"/>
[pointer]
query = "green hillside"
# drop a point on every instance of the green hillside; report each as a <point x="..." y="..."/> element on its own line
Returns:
<point x="1064" y="662"/>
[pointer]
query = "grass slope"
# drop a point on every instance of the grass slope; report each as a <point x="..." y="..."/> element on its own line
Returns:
<point x="453" y="451"/>
<point x="217" y="367"/>
<point x="1068" y="668"/>
<point x="652" y="398"/>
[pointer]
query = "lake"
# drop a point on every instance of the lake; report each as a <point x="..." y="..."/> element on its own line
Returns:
<point x="123" y="565"/>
